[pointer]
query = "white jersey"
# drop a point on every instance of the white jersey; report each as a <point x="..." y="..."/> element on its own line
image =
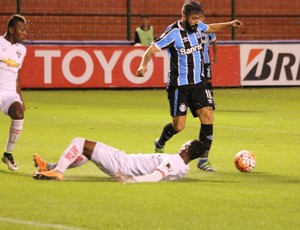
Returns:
<point x="11" y="60"/>
<point x="112" y="161"/>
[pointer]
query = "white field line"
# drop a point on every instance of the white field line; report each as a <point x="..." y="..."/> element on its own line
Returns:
<point x="225" y="127"/>
<point x="37" y="224"/>
<point x="215" y="126"/>
<point x="255" y="129"/>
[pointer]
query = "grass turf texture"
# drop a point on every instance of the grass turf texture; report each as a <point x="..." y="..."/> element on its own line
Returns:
<point x="264" y="120"/>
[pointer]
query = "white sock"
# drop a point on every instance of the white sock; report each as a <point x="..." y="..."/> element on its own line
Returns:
<point x="80" y="160"/>
<point x="14" y="134"/>
<point x="74" y="150"/>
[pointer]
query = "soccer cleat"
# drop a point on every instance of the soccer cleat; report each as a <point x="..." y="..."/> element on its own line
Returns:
<point x="39" y="163"/>
<point x="205" y="166"/>
<point x="48" y="175"/>
<point x="8" y="159"/>
<point x="158" y="148"/>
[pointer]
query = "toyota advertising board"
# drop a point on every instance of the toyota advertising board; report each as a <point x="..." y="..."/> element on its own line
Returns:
<point x="88" y="66"/>
<point x="92" y="66"/>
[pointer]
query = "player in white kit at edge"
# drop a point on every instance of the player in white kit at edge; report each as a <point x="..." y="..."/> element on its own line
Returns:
<point x="129" y="168"/>
<point x="12" y="54"/>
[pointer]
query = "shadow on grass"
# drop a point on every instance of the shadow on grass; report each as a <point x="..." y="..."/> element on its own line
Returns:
<point x="15" y="173"/>
<point x="184" y="180"/>
<point x="89" y="179"/>
<point x="219" y="177"/>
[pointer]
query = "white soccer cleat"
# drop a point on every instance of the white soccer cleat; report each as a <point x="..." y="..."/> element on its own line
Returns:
<point x="8" y="159"/>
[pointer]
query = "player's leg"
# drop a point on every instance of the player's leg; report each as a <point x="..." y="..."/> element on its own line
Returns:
<point x="178" y="106"/>
<point x="206" y="136"/>
<point x="169" y="131"/>
<point x="42" y="166"/>
<point x="71" y="157"/>
<point x="16" y="113"/>
<point x="202" y="106"/>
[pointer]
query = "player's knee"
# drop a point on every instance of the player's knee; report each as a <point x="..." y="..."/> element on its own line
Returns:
<point x="17" y="115"/>
<point x="16" y="112"/>
<point x="179" y="127"/>
<point x="206" y="115"/>
<point x="207" y="120"/>
<point x="79" y="141"/>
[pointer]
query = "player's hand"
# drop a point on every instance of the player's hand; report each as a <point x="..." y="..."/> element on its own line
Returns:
<point x="141" y="71"/>
<point x="23" y="106"/>
<point x="236" y="23"/>
<point x="214" y="60"/>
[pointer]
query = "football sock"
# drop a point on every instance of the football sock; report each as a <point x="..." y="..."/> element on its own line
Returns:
<point x="51" y="166"/>
<point x="70" y="155"/>
<point x="14" y="134"/>
<point x="206" y="136"/>
<point x="203" y="160"/>
<point x="166" y="134"/>
<point x="80" y="160"/>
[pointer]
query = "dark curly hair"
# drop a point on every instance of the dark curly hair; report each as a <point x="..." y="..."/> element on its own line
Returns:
<point x="191" y="6"/>
<point x="195" y="149"/>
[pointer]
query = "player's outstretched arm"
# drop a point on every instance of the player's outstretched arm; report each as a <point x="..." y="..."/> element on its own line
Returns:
<point x="154" y="177"/>
<point x="216" y="27"/>
<point x="146" y="58"/>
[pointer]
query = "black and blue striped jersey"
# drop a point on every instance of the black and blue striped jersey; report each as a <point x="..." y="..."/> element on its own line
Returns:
<point x="185" y="52"/>
<point x="206" y="40"/>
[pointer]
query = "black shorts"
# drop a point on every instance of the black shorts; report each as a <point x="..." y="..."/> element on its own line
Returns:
<point x="189" y="96"/>
<point x="207" y="71"/>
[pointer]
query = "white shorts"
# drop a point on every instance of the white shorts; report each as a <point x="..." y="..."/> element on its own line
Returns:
<point x="7" y="98"/>
<point x="110" y="160"/>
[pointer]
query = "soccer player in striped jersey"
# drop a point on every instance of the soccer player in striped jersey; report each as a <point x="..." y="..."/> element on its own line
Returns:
<point x="12" y="54"/>
<point x="185" y="84"/>
<point x="128" y="168"/>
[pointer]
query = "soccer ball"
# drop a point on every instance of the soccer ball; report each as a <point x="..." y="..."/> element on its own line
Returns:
<point x="245" y="161"/>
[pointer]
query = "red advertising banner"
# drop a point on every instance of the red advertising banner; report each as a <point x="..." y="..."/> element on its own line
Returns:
<point x="63" y="66"/>
<point x="226" y="72"/>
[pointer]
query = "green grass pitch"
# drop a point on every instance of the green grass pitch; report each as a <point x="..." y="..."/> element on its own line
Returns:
<point x="263" y="120"/>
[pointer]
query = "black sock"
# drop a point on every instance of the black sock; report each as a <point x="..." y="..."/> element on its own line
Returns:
<point x="206" y="136"/>
<point x="166" y="134"/>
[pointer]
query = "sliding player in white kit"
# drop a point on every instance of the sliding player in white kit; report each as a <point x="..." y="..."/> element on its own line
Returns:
<point x="128" y="168"/>
<point x="12" y="55"/>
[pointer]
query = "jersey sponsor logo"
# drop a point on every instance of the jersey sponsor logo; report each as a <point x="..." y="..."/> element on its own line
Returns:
<point x="270" y="64"/>
<point x="193" y="49"/>
<point x="10" y="62"/>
